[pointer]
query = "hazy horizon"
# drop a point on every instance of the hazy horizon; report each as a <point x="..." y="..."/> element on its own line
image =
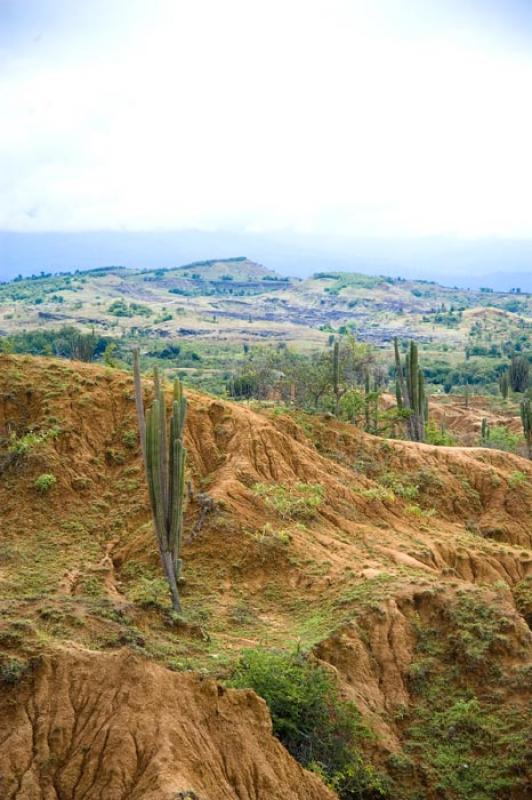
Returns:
<point x="450" y="262"/>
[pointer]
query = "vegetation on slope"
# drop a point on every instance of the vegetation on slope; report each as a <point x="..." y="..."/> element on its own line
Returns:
<point x="301" y="531"/>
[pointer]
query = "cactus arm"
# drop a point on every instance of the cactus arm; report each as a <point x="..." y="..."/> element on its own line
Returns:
<point x="177" y="483"/>
<point x="163" y="442"/>
<point x="139" y="402"/>
<point x="398" y="395"/>
<point x="423" y="405"/>
<point x="154" y="451"/>
<point x="400" y="381"/>
<point x="526" y="419"/>
<point x="414" y="392"/>
<point x="336" y="375"/>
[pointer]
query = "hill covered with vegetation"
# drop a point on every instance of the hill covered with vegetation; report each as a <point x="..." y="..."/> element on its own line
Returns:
<point x="204" y="317"/>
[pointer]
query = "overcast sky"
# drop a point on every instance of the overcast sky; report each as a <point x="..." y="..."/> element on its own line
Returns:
<point x="337" y="117"/>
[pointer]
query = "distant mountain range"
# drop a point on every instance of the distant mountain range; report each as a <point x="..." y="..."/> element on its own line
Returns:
<point x="222" y="304"/>
<point x="497" y="264"/>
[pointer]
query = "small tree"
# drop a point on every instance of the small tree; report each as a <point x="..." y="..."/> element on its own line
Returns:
<point x="164" y="463"/>
<point x="352" y="404"/>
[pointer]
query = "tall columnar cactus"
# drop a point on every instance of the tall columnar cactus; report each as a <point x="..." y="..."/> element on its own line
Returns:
<point x="367" y="403"/>
<point x="466" y="394"/>
<point x="410" y="391"/>
<point x="485" y="430"/>
<point x="518" y="374"/>
<point x="336" y="375"/>
<point x="503" y="385"/>
<point x="164" y="457"/>
<point x="526" y="419"/>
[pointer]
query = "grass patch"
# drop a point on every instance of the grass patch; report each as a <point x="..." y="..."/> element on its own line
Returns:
<point x="516" y="478"/>
<point x="300" y="501"/>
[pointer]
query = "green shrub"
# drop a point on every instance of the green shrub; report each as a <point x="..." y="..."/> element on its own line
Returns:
<point x="417" y="511"/>
<point x="13" y="670"/>
<point x="471" y="752"/>
<point x="149" y="592"/>
<point x="312" y="721"/>
<point x="130" y="438"/>
<point x="299" y="501"/>
<point x="434" y="435"/>
<point x="45" y="482"/>
<point x="377" y="493"/>
<point x="502" y="439"/>
<point x="401" y="486"/>
<point x="22" y="445"/>
<point x="523" y="598"/>
<point x="478" y="630"/>
<point x="269" y="536"/>
<point x="119" y="308"/>
<point x="516" y="478"/>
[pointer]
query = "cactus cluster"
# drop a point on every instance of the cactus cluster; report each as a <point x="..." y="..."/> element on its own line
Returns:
<point x="526" y="419"/>
<point x="410" y="391"/>
<point x="164" y="463"/>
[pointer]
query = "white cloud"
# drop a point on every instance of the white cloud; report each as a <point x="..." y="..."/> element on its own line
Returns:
<point x="315" y="116"/>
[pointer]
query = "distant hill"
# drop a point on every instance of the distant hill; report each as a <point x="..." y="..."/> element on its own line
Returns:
<point x="493" y="263"/>
<point x="225" y="302"/>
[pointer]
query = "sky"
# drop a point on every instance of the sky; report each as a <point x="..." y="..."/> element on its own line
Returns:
<point x="341" y="118"/>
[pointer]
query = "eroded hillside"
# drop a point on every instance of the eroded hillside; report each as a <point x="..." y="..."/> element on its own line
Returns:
<point x="404" y="566"/>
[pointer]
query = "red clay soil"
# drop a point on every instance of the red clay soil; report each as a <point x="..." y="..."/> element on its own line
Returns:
<point x="88" y="726"/>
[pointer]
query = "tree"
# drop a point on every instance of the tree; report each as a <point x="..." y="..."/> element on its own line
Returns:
<point x="313" y="379"/>
<point x="352" y="404"/>
<point x="72" y="343"/>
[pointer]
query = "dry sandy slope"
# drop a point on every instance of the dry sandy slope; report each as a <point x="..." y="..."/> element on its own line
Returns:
<point x="89" y="726"/>
<point x="356" y="581"/>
